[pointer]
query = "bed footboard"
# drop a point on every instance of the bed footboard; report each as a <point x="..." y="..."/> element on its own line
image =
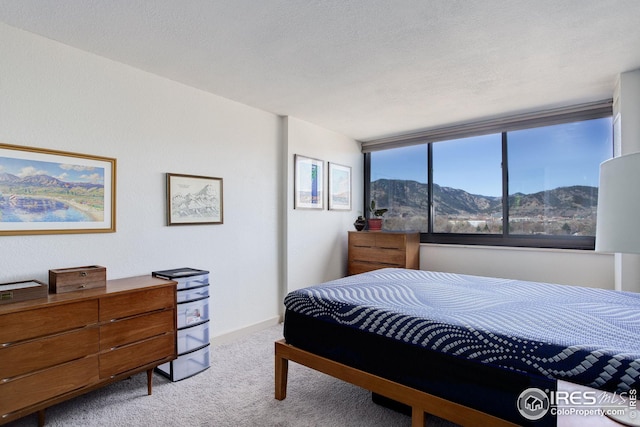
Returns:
<point x="419" y="401"/>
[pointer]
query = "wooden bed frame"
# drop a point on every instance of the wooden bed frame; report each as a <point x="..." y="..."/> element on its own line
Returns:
<point x="419" y="401"/>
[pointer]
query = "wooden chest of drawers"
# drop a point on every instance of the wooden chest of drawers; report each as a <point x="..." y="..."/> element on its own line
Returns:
<point x="374" y="250"/>
<point x="68" y="344"/>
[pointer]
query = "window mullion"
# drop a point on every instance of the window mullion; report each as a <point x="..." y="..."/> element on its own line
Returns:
<point x="505" y="187"/>
<point x="430" y="186"/>
<point x="367" y="184"/>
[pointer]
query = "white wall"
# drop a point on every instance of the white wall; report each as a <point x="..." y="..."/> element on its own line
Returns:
<point x="56" y="97"/>
<point x="316" y="240"/>
<point x="568" y="267"/>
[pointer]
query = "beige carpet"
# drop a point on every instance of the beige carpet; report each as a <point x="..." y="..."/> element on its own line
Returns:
<point x="237" y="390"/>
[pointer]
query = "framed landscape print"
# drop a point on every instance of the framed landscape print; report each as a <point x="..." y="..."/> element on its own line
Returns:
<point x="308" y="183"/>
<point x="55" y="192"/>
<point x="193" y="199"/>
<point x="339" y="187"/>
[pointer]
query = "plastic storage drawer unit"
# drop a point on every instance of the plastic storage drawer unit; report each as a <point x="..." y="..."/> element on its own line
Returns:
<point x="193" y="294"/>
<point x="190" y="339"/>
<point x="193" y="323"/>
<point x="193" y="312"/>
<point x="189" y="282"/>
<point x="187" y="365"/>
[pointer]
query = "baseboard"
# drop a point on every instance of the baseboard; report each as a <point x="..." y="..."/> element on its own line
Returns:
<point x="239" y="333"/>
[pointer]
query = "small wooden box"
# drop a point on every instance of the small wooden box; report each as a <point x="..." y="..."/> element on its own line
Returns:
<point x="22" y="291"/>
<point x="77" y="278"/>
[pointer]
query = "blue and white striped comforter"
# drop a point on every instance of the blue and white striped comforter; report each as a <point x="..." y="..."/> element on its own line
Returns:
<point x="584" y="335"/>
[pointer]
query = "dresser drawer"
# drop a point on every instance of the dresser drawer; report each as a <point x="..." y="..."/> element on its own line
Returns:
<point x="123" y="359"/>
<point x="362" y="239"/>
<point x="362" y="267"/>
<point x="391" y="241"/>
<point x="36" y="355"/>
<point x="385" y="257"/>
<point x="357" y="268"/>
<point x="29" y="324"/>
<point x="132" y="303"/>
<point x="378" y="240"/>
<point x="132" y="329"/>
<point x="31" y="389"/>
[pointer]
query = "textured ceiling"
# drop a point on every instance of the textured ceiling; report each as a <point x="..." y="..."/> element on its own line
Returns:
<point x="364" y="68"/>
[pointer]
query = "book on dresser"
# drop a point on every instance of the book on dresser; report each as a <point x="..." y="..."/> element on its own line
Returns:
<point x="382" y="249"/>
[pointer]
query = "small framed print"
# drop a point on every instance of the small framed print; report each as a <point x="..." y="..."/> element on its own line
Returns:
<point x="308" y="183"/>
<point x="193" y="199"/>
<point x="339" y="187"/>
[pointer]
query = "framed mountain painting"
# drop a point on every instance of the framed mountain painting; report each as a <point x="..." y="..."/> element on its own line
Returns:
<point x="193" y="199"/>
<point x="55" y="192"/>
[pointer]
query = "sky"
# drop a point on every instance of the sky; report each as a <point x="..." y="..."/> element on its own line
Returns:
<point x="63" y="171"/>
<point x="539" y="159"/>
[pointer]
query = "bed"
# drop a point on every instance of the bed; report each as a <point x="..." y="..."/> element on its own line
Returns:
<point x="464" y="348"/>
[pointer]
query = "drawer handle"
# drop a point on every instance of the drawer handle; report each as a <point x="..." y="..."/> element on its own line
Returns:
<point x="83" y="274"/>
<point x="82" y="286"/>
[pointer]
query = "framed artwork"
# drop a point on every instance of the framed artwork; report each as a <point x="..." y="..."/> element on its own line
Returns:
<point x="193" y="199"/>
<point x="55" y="192"/>
<point x="339" y="187"/>
<point x="308" y="183"/>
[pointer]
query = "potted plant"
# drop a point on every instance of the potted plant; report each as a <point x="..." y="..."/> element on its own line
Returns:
<point x="375" y="222"/>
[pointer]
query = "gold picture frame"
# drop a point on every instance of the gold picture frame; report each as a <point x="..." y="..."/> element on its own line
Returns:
<point x="46" y="191"/>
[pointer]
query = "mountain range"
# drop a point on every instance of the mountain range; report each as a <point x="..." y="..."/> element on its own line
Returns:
<point x="43" y="181"/>
<point x="411" y="198"/>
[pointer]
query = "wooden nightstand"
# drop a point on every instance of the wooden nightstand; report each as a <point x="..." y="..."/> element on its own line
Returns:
<point x="374" y="250"/>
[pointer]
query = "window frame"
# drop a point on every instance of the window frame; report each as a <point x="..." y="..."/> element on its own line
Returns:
<point x="604" y="109"/>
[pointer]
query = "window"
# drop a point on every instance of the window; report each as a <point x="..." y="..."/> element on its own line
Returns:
<point x="553" y="177"/>
<point x="534" y="186"/>
<point x="467" y="185"/>
<point x="399" y="183"/>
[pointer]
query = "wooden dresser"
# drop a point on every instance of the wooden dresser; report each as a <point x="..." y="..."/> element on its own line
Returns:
<point x="59" y="347"/>
<point x="374" y="250"/>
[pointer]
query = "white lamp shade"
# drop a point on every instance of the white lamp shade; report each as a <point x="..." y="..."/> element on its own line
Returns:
<point x="618" y="220"/>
